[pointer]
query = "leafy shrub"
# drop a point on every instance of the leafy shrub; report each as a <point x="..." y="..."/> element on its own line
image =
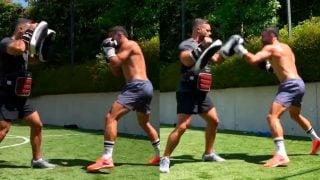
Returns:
<point x="151" y="52"/>
<point x="169" y="77"/>
<point x="78" y="79"/>
<point x="305" y="43"/>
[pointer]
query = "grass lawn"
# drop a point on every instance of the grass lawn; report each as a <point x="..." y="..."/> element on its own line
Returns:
<point x="245" y="154"/>
<point x="72" y="151"/>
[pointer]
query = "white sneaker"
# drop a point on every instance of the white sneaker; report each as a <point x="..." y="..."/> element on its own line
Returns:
<point x="212" y="157"/>
<point x="164" y="166"/>
<point x="42" y="163"/>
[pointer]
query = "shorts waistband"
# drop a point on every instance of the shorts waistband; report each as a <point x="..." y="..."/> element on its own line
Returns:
<point x="292" y="79"/>
<point x="138" y="80"/>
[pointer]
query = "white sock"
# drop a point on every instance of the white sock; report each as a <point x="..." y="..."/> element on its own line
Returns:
<point x="108" y="148"/>
<point x="156" y="146"/>
<point x="312" y="133"/>
<point x="38" y="160"/>
<point x="279" y="142"/>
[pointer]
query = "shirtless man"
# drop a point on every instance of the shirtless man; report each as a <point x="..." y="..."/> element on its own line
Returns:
<point x="125" y="57"/>
<point x="290" y="92"/>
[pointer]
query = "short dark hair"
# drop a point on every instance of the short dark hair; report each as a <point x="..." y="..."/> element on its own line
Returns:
<point x="272" y="30"/>
<point x="21" y="22"/>
<point x="117" y="29"/>
<point x="198" y="22"/>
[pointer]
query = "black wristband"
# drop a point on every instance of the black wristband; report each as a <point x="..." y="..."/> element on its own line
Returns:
<point x="196" y="53"/>
<point x="26" y="37"/>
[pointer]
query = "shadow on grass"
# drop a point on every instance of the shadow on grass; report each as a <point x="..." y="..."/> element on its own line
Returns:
<point x="76" y="162"/>
<point x="255" y="159"/>
<point x="84" y="163"/>
<point x="12" y="166"/>
<point x="133" y="164"/>
<point x="98" y="172"/>
<point x="300" y="173"/>
<point x="70" y="162"/>
<point x="4" y="165"/>
<point x="105" y="171"/>
<point x="183" y="159"/>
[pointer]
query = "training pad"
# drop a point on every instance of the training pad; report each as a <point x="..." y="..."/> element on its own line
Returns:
<point x="206" y="55"/>
<point x="39" y="34"/>
<point x="45" y="46"/>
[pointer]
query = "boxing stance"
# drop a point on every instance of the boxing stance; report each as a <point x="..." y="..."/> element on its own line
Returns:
<point x="16" y="81"/>
<point x="126" y="58"/>
<point x="290" y="92"/>
<point x="196" y="53"/>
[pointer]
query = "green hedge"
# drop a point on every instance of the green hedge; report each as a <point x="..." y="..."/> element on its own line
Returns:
<point x="93" y="76"/>
<point x="235" y="72"/>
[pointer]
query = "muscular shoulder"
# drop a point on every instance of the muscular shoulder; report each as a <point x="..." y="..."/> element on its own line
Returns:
<point x="4" y="44"/>
<point x="276" y="48"/>
<point x="268" y="47"/>
<point x="129" y="45"/>
<point x="188" y="44"/>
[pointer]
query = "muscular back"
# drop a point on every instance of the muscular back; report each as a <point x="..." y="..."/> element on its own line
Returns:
<point x="283" y="61"/>
<point x="132" y="61"/>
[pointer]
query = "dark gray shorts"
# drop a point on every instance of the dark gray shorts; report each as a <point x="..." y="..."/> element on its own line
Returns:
<point x="290" y="92"/>
<point x="13" y="107"/>
<point x="193" y="102"/>
<point x="137" y="95"/>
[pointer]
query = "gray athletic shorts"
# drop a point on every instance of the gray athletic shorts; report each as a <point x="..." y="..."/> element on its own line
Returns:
<point x="290" y="92"/>
<point x="137" y="95"/>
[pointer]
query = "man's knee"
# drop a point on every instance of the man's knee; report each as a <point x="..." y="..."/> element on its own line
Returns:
<point x="181" y="128"/>
<point x="116" y="112"/>
<point x="110" y="118"/>
<point x="211" y="117"/>
<point x="4" y="129"/>
<point x="212" y="124"/>
<point x="36" y="123"/>
<point x="34" y="120"/>
<point x="3" y="135"/>
<point x="271" y="118"/>
<point x="215" y="121"/>
<point x="37" y="126"/>
<point x="107" y="119"/>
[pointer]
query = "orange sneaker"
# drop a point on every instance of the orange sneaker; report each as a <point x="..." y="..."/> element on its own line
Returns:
<point x="101" y="163"/>
<point x="315" y="146"/>
<point x="154" y="161"/>
<point x="277" y="160"/>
